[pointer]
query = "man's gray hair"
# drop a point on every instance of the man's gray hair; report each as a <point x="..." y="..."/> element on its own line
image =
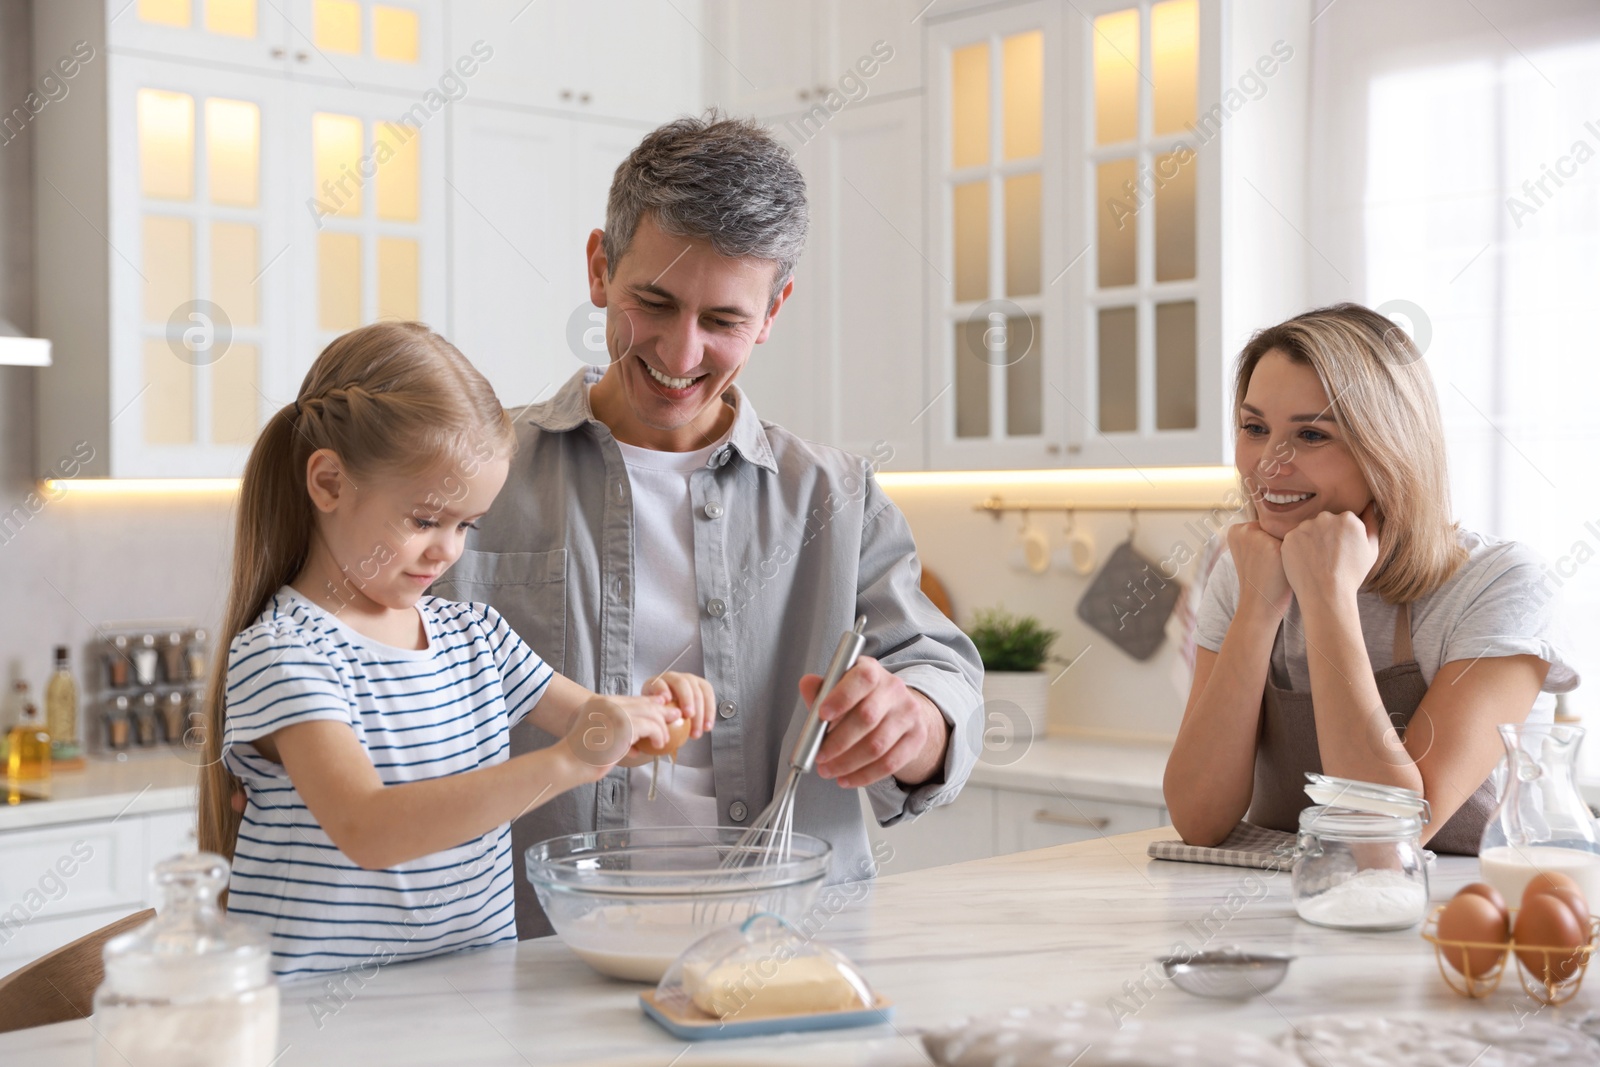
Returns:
<point x="723" y="180"/>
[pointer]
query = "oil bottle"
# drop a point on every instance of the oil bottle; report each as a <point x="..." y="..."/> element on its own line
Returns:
<point x="61" y="709"/>
<point x="28" y="754"/>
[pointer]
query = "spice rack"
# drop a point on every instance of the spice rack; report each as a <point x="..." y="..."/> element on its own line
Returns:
<point x="152" y="682"/>
<point x="1543" y="990"/>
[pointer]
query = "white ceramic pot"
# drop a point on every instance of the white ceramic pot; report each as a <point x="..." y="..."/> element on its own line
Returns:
<point x="1028" y="690"/>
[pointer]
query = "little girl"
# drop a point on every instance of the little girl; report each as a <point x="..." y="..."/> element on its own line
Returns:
<point x="368" y="724"/>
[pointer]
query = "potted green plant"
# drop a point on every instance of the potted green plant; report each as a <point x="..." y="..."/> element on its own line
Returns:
<point x="1014" y="649"/>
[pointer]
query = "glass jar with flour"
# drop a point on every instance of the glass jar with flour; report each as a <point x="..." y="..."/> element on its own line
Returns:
<point x="1359" y="862"/>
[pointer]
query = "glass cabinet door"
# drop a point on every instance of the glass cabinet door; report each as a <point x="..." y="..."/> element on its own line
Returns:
<point x="197" y="220"/>
<point x="245" y="33"/>
<point x="391" y="43"/>
<point x="995" y="145"/>
<point x="368" y="243"/>
<point x="1142" y="167"/>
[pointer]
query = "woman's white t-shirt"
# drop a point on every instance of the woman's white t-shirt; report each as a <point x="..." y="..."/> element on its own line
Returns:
<point x="1500" y="602"/>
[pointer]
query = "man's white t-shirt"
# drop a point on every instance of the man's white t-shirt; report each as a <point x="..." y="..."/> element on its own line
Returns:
<point x="667" y="634"/>
<point x="1498" y="603"/>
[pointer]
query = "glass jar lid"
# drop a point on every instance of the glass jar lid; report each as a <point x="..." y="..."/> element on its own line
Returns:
<point x="1346" y="824"/>
<point x="190" y="949"/>
<point x="1347" y="793"/>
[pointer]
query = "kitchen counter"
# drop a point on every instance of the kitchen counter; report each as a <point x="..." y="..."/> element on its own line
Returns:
<point x="144" y="782"/>
<point x="1080" y="922"/>
<point x="1127" y="771"/>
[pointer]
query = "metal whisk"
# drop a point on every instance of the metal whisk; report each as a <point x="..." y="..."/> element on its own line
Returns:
<point x="770" y="837"/>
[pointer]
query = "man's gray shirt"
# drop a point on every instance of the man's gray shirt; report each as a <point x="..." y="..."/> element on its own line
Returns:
<point x="792" y="541"/>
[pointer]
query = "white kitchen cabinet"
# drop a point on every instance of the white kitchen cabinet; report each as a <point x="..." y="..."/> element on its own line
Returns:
<point x="395" y="44"/>
<point x="1080" y="234"/>
<point x="240" y="33"/>
<point x="1027" y="821"/>
<point x="637" y="60"/>
<point x="205" y="229"/>
<point x="953" y="833"/>
<point x="63" y="881"/>
<point x="526" y="190"/>
<point x="987" y="821"/>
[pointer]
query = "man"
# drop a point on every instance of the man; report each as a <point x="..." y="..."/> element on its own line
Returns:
<point x="652" y="521"/>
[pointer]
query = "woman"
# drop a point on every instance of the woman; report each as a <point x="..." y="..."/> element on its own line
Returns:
<point x="1354" y="591"/>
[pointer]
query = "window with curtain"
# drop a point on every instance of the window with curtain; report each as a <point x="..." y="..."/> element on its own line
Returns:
<point x="1461" y="194"/>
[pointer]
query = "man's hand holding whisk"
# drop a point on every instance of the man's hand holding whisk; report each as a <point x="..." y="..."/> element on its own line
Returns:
<point x="878" y="726"/>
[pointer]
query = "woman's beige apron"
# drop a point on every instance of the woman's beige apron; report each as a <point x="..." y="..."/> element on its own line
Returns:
<point x="1286" y="749"/>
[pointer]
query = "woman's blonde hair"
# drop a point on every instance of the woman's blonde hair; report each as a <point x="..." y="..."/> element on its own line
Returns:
<point x="390" y="399"/>
<point x="1381" y="397"/>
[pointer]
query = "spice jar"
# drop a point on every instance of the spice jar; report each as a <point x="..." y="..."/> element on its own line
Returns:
<point x="197" y="655"/>
<point x="145" y="658"/>
<point x="117" y="660"/>
<point x="1359" y="862"/>
<point x="144" y="719"/>
<point x="190" y="986"/>
<point x="117" y="722"/>
<point x="173" y="716"/>
<point x="172" y="657"/>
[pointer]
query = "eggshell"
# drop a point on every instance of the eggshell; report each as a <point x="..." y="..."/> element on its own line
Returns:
<point x="1547" y="921"/>
<point x="1487" y="892"/>
<point x="1470" y="917"/>
<point x="1547" y="880"/>
<point x="1555" y="884"/>
<point x="677" y="734"/>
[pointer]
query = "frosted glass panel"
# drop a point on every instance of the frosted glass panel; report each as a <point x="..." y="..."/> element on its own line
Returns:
<point x="1175" y="218"/>
<point x="235" y="395"/>
<point x="168" y="396"/>
<point x="338" y="281"/>
<point x="1119" y="370"/>
<point x="232" y="18"/>
<point x="1023" y="230"/>
<point x="394" y="34"/>
<point x="1116" y="77"/>
<point x="336" y="155"/>
<point x="164" y="12"/>
<point x="969" y="105"/>
<point x="336" y="26"/>
<point x="398" y="282"/>
<point x="166" y="144"/>
<point x="1175" y="366"/>
<point x="1115" y="223"/>
<point x="399" y="155"/>
<point x="235" y="259"/>
<point x="972" y="380"/>
<point x="1174" y="59"/>
<point x="168" y="266"/>
<point x="1022" y="68"/>
<point x="1024" y="377"/>
<point x="233" y="151"/>
<point x="972" y="241"/>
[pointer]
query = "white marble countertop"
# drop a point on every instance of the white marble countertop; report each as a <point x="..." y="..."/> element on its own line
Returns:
<point x="1080" y="922"/>
<point x="157" y="780"/>
<point x="1127" y="771"/>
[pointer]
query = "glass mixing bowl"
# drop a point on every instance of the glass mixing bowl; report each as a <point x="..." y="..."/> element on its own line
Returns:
<point x="627" y="902"/>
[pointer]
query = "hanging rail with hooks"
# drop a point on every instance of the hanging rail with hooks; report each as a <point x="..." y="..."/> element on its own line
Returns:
<point x="998" y="506"/>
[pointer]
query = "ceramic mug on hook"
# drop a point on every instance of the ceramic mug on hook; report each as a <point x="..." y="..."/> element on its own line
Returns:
<point x="1078" y="554"/>
<point x="1034" y="547"/>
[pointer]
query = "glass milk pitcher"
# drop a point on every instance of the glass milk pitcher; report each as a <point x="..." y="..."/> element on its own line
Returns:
<point x="1541" y="822"/>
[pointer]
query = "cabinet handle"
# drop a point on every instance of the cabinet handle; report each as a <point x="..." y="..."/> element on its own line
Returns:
<point x="302" y="57"/>
<point x="278" y="53"/>
<point x="583" y="98"/>
<point x="566" y="94"/>
<point x="804" y="94"/>
<point x="1049" y="817"/>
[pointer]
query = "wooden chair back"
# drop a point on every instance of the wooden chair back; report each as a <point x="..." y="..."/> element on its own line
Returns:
<point x="59" y="986"/>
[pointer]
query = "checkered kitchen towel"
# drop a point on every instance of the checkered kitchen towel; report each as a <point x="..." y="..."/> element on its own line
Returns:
<point x="1246" y="846"/>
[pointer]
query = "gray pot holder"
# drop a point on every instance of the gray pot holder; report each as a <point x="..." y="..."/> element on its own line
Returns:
<point x="1129" y="602"/>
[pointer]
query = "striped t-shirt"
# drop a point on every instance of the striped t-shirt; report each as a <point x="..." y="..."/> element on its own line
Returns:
<point x="419" y="714"/>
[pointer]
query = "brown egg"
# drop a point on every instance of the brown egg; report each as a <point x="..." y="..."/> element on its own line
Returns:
<point x="1487" y="892"/>
<point x="1470" y="917"/>
<point x="1548" y="922"/>
<point x="677" y="734"/>
<point x="1547" y="880"/>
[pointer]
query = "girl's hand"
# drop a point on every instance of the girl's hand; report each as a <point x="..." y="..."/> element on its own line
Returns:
<point x="690" y="692"/>
<point x="1327" y="558"/>
<point x="607" y="729"/>
<point x="1258" y="557"/>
